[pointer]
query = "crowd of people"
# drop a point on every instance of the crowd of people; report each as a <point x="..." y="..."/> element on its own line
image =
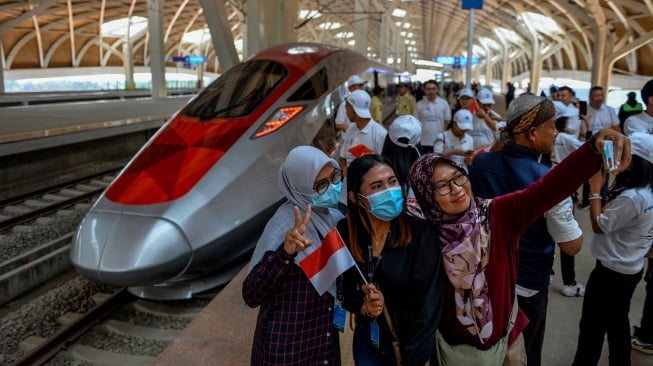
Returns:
<point x="451" y="215"/>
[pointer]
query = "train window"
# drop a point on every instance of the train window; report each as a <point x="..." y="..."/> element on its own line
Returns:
<point x="313" y="88"/>
<point x="238" y="91"/>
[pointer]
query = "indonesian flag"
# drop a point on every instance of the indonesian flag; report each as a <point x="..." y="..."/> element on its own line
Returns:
<point x="328" y="261"/>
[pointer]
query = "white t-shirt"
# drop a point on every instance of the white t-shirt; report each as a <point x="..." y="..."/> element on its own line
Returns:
<point x="341" y="115"/>
<point x="482" y="134"/>
<point x="573" y="121"/>
<point x="627" y="225"/>
<point x="446" y="141"/>
<point x="561" y="223"/>
<point x="601" y="118"/>
<point x="642" y="122"/>
<point x="432" y="115"/>
<point x="564" y="145"/>
<point x="372" y="136"/>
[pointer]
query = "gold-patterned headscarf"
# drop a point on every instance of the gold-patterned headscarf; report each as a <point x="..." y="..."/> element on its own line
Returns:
<point x="525" y="112"/>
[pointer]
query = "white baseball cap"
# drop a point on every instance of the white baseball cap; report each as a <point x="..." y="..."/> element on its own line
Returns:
<point x="360" y="100"/>
<point x="355" y="80"/>
<point x="464" y="119"/>
<point x="485" y="96"/>
<point x="641" y="144"/>
<point x="407" y="128"/>
<point x="466" y="92"/>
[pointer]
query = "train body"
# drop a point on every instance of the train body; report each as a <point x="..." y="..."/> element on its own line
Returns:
<point x="187" y="209"/>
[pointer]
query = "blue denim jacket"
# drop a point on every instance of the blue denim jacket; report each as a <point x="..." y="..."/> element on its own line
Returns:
<point x="513" y="168"/>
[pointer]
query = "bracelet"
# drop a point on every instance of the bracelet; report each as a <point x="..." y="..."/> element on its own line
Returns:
<point x="595" y="196"/>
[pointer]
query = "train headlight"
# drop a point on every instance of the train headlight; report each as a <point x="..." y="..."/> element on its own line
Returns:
<point x="279" y="118"/>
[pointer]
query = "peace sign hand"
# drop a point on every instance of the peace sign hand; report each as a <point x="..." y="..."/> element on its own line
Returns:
<point x="295" y="241"/>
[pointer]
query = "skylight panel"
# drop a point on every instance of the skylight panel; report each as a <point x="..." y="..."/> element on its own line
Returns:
<point x="540" y="23"/>
<point x="118" y="27"/>
<point x="508" y="35"/>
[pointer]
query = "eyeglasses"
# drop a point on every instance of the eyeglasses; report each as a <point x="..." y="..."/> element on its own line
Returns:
<point x="322" y="185"/>
<point x="443" y="188"/>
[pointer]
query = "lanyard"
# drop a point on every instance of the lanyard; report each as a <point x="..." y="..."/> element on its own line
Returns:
<point x="371" y="264"/>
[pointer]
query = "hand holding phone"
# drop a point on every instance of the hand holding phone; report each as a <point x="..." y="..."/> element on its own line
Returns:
<point x="608" y="156"/>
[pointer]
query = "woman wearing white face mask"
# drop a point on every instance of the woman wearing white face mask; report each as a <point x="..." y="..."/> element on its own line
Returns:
<point x="399" y="258"/>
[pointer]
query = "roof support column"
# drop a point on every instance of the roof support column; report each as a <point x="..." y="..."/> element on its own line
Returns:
<point x="488" y="67"/>
<point x="505" y="70"/>
<point x="157" y="48"/>
<point x="2" y="69"/>
<point x="127" y="62"/>
<point x="599" y="46"/>
<point x="269" y="23"/>
<point x="360" y="26"/>
<point x="215" y="14"/>
<point x="384" y="38"/>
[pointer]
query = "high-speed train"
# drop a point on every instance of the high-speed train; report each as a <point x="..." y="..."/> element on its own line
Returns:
<point x="192" y="201"/>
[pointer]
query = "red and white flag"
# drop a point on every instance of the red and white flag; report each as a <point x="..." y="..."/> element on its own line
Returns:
<point x="328" y="261"/>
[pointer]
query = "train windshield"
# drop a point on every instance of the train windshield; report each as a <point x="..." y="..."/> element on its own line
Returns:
<point x="238" y="91"/>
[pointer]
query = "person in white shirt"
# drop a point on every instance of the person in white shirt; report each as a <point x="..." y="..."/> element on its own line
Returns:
<point x="456" y="142"/>
<point x="560" y="220"/>
<point x="486" y="101"/>
<point x="642" y="122"/>
<point x="434" y="113"/>
<point x="622" y="238"/>
<point x="354" y="82"/>
<point x="566" y="96"/>
<point x="484" y="127"/>
<point x="601" y="115"/>
<point x="362" y="137"/>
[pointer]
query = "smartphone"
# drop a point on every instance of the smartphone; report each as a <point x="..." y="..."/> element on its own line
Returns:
<point x="608" y="156"/>
<point x="582" y="108"/>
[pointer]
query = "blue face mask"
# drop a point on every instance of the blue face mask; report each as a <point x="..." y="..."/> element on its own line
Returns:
<point x="386" y="204"/>
<point x="329" y="198"/>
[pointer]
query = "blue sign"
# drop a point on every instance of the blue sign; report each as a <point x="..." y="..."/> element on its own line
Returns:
<point x="192" y="59"/>
<point x="463" y="60"/>
<point x="472" y="4"/>
<point x="196" y="59"/>
<point x="446" y="60"/>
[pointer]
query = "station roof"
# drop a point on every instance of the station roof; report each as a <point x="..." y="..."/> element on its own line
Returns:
<point x="75" y="33"/>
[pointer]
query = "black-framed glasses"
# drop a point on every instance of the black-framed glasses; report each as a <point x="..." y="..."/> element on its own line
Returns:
<point x="443" y="188"/>
<point x="322" y="185"/>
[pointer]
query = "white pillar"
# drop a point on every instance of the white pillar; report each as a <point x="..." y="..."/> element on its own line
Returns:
<point x="252" y="28"/>
<point x="470" y="43"/>
<point x="128" y="63"/>
<point x="215" y="15"/>
<point x="384" y="39"/>
<point x="2" y="69"/>
<point x="360" y="26"/>
<point x="277" y="20"/>
<point x="157" y="48"/>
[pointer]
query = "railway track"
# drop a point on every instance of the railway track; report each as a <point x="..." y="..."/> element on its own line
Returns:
<point x="36" y="229"/>
<point x="118" y="329"/>
<point x="30" y="206"/>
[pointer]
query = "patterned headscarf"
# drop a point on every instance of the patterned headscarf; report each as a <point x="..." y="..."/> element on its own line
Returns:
<point x="527" y="111"/>
<point x="466" y="246"/>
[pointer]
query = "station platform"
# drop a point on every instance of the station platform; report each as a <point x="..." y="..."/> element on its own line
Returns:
<point x="222" y="333"/>
<point x="28" y="128"/>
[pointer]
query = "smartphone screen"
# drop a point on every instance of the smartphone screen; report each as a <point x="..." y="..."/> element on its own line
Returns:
<point x="582" y="108"/>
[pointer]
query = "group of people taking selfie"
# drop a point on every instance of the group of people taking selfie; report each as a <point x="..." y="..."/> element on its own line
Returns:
<point x="452" y="259"/>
